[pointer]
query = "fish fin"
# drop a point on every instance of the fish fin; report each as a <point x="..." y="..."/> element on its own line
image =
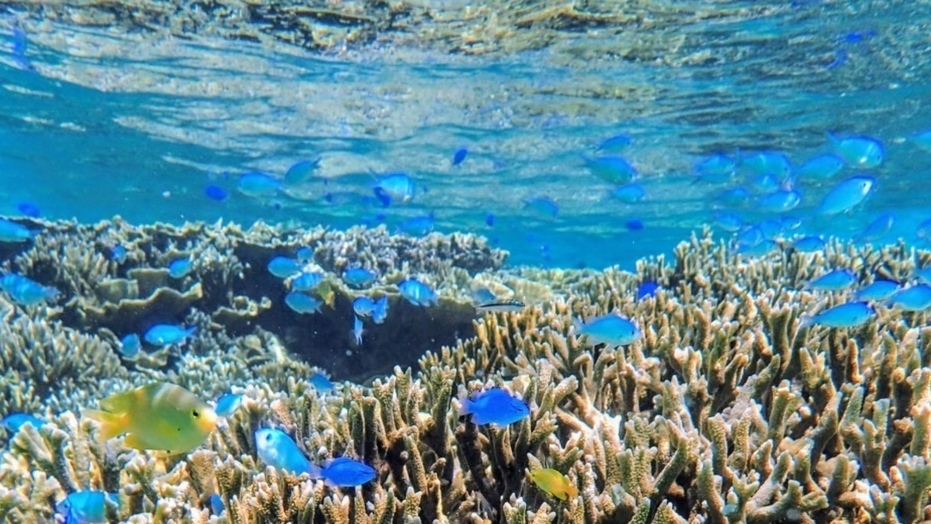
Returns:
<point x="132" y="441"/>
<point x="806" y="321"/>
<point x="120" y="403"/>
<point x="111" y="424"/>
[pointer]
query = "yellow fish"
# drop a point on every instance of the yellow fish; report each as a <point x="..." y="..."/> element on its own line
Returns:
<point x="554" y="483"/>
<point x="159" y="416"/>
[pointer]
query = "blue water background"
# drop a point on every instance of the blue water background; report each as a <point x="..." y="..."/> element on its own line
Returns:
<point x="100" y="128"/>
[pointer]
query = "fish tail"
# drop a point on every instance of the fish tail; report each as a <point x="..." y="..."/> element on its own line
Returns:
<point x="806" y="321"/>
<point x="111" y="425"/>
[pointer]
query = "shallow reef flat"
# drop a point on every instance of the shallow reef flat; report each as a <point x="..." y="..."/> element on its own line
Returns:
<point x="726" y="409"/>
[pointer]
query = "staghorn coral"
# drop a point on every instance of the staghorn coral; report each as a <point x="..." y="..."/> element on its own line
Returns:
<point x="723" y="411"/>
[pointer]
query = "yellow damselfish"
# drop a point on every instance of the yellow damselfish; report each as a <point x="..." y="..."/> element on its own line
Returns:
<point x="158" y="416"/>
<point x="554" y="483"/>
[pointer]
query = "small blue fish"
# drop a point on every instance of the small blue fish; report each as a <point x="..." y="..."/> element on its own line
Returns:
<point x="14" y="421"/>
<point x="836" y="280"/>
<point x="612" y="169"/>
<point x="216" y="505"/>
<point x="304" y="254"/>
<point x="634" y="224"/>
<point x="716" y="168"/>
<point x="18" y="50"/>
<point x="780" y="201"/>
<point x="495" y="406"/>
<point x="647" y="289"/>
<point x="180" y="268"/>
<point x="394" y="188"/>
<point x="489" y="219"/>
<point x="257" y="184"/>
<point x="358" y="277"/>
<point x="380" y="313"/>
<point x="357" y="329"/>
<point x="750" y="236"/>
<point x="216" y="193"/>
<point x="851" y="314"/>
<point x="279" y="451"/>
<point x="846" y="195"/>
<point x="768" y="163"/>
<point x="629" y="193"/>
<point x="820" y="167"/>
<point x="483" y="295"/>
<point x="28" y="209"/>
<point x="284" y="267"/>
<point x="418" y="226"/>
<point x="321" y="383"/>
<point x="363" y="306"/>
<point x="923" y="140"/>
<point x="227" y="404"/>
<point x="733" y="197"/>
<point x="118" y="254"/>
<point x="460" y="155"/>
<point x="167" y="334"/>
<point x="859" y="151"/>
<point x="877" y="229"/>
<point x="307" y="281"/>
<point x="923" y="231"/>
<point x="808" y="244"/>
<point x="301" y="171"/>
<point x="727" y="221"/>
<point x="417" y="293"/>
<point x="877" y="291"/>
<point x="610" y="329"/>
<point x="542" y="205"/>
<point x="614" y="144"/>
<point x="759" y="249"/>
<point x="26" y="292"/>
<point x="301" y="303"/>
<point x="346" y="472"/>
<point x="83" y="507"/>
<point x="13" y="233"/>
<point x="130" y="345"/>
<point x="914" y="298"/>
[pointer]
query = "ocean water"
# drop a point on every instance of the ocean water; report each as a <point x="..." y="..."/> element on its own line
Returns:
<point x="101" y="121"/>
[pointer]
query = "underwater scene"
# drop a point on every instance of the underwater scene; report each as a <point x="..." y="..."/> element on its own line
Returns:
<point x="441" y="261"/>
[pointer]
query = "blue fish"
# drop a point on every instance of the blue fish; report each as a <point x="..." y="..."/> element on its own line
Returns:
<point x="733" y="197"/>
<point x="301" y="303"/>
<point x="417" y="293"/>
<point x="614" y="144"/>
<point x="284" y="267"/>
<point x="279" y="451"/>
<point x="762" y="248"/>
<point x="490" y="219"/>
<point x="846" y="195"/>
<point x="394" y="187"/>
<point x="859" y="151"/>
<point x="216" y="193"/>
<point x="18" y="50"/>
<point x="914" y="298"/>
<point x="357" y="329"/>
<point x="768" y="163"/>
<point x="483" y="295"/>
<point x="609" y="329"/>
<point x="130" y="345"/>
<point x="634" y="224"/>
<point x="28" y="209"/>
<point x="878" y="290"/>
<point x="836" y="280"/>
<point x="808" y="244"/>
<point x="321" y="383"/>
<point x="923" y="231"/>
<point x="750" y="236"/>
<point x="877" y="229"/>
<point x="418" y="226"/>
<point x="495" y="406"/>
<point x="358" y="277"/>
<point x="118" y="254"/>
<point x="716" y="168"/>
<point x="216" y="505"/>
<point x="301" y="171"/>
<point x="542" y="205"/>
<point x="13" y="233"/>
<point x="460" y="155"/>
<point x="727" y="221"/>
<point x="83" y="507"/>
<point x="380" y="313"/>
<point x="167" y="334"/>
<point x="363" y="306"/>
<point x="307" y="281"/>
<point x="14" y="421"/>
<point x="257" y="184"/>
<point x="227" y="404"/>
<point x="647" y="289"/>
<point x="851" y="314"/>
<point x="629" y="193"/>
<point x="180" y="268"/>
<point x="612" y="169"/>
<point x="346" y="472"/>
<point x="304" y="254"/>
<point x="820" y="167"/>
<point x="923" y="140"/>
<point x="26" y="292"/>
<point x="780" y="201"/>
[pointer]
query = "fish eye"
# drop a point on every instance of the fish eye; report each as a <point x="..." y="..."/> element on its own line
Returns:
<point x="195" y="414"/>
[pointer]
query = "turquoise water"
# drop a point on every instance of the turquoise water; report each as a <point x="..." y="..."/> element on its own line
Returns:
<point x="96" y="123"/>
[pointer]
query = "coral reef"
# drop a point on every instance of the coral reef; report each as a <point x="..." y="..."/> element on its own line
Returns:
<point x="724" y="411"/>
